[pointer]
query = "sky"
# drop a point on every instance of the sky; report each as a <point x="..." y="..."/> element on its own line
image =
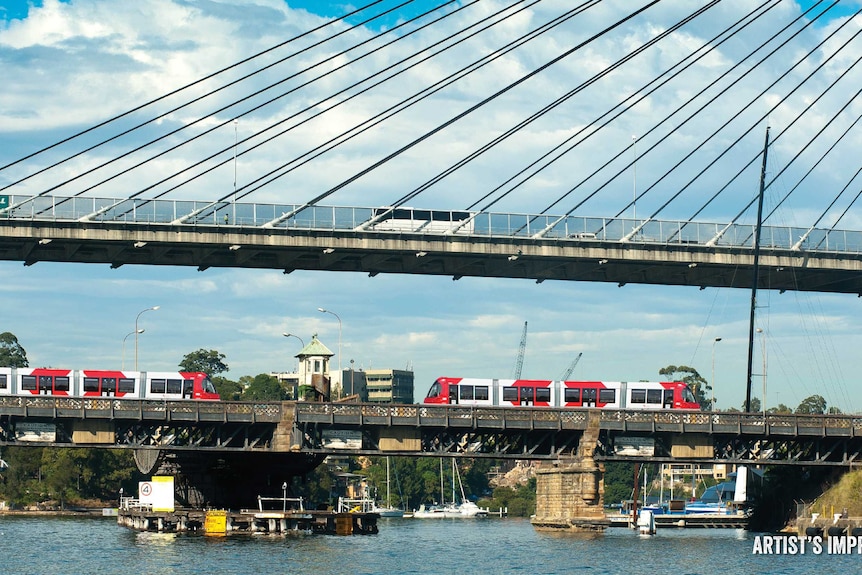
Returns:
<point x="72" y="64"/>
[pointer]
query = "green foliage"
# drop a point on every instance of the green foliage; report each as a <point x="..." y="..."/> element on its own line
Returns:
<point x="780" y="408"/>
<point x="64" y="475"/>
<point x="262" y="387"/>
<point x="210" y="362"/>
<point x="812" y="405"/>
<point x="619" y="481"/>
<point x="695" y="381"/>
<point x="11" y="352"/>
<point x="228" y="390"/>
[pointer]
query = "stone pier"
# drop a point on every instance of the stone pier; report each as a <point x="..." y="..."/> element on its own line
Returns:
<point x="570" y="492"/>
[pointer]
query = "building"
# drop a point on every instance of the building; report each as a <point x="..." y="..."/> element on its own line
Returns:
<point x="313" y="380"/>
<point x="389" y="385"/>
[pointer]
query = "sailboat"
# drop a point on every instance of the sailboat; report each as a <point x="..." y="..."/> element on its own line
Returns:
<point x="465" y="509"/>
<point x="387" y="510"/>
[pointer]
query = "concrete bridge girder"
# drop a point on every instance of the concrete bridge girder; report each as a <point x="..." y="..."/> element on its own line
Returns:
<point x="457" y="256"/>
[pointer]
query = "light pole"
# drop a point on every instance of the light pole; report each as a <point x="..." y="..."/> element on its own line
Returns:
<point x="136" y="332"/>
<point x="712" y="402"/>
<point x="321" y="310"/>
<point x="763" y="375"/>
<point x="285" y="334"/>
<point x="123" y="363"/>
<point x="284" y="497"/>
<point x="634" y="182"/>
<point x="235" y="140"/>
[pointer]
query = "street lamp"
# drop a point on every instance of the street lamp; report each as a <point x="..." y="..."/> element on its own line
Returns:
<point x="763" y="375"/>
<point x="123" y="363"/>
<point x="321" y="310"/>
<point x="136" y="332"/>
<point x="284" y="497"/>
<point x="712" y="403"/>
<point x="285" y="334"/>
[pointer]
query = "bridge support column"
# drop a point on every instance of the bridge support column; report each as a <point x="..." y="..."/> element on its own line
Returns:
<point x="569" y="493"/>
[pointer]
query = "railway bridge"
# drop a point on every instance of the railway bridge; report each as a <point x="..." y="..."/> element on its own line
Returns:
<point x="220" y="450"/>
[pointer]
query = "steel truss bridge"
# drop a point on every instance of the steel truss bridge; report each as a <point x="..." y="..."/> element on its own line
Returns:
<point x="320" y="429"/>
<point x="430" y="242"/>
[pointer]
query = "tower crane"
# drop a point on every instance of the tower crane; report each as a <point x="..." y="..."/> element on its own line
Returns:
<point x="571" y="367"/>
<point x="520" y="361"/>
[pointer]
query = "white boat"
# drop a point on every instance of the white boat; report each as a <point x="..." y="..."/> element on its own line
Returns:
<point x="466" y="509"/>
<point x="387" y="510"/>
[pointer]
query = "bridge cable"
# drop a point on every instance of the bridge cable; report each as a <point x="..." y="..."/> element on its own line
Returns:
<point x="209" y="130"/>
<point x="645" y="91"/>
<point x="329" y="97"/>
<point x="668" y="117"/>
<point x="719" y="156"/>
<point x="173" y="93"/>
<point x="562" y="99"/>
<point x="475" y="107"/>
<point x="345" y="136"/>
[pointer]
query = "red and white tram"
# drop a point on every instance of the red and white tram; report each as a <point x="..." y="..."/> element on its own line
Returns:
<point x="106" y="383"/>
<point x="547" y="393"/>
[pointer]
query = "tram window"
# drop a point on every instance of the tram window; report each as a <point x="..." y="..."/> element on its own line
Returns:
<point x="109" y="385"/>
<point x="572" y="395"/>
<point x="175" y="386"/>
<point x="188" y="388"/>
<point x="638" y="396"/>
<point x="46" y="382"/>
<point x="28" y="382"/>
<point x="510" y="394"/>
<point x="3" y="383"/>
<point x="481" y="392"/>
<point x="61" y="383"/>
<point x="608" y="395"/>
<point x="435" y="390"/>
<point x="543" y="394"/>
<point x="466" y="392"/>
<point x="527" y="394"/>
<point x="653" y="396"/>
<point x="126" y="385"/>
<point x="91" y="384"/>
<point x="157" y="386"/>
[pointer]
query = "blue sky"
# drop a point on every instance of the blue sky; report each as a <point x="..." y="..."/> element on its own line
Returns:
<point x="78" y="315"/>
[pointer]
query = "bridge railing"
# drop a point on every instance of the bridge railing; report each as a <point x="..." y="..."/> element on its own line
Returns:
<point x="46" y="407"/>
<point x="426" y="222"/>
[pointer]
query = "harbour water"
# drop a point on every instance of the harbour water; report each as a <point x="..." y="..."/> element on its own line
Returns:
<point x="79" y="546"/>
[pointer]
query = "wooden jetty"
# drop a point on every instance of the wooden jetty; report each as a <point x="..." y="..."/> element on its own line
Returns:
<point x="293" y="520"/>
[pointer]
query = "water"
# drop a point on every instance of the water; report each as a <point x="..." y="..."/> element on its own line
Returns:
<point x="80" y="546"/>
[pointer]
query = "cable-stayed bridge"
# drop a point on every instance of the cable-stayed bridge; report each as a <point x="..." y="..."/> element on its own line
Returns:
<point x="542" y="140"/>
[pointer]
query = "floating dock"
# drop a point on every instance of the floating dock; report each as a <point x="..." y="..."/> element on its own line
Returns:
<point x="698" y="520"/>
<point x="246" y="521"/>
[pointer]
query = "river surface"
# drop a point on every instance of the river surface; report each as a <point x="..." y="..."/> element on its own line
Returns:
<point x="78" y="546"/>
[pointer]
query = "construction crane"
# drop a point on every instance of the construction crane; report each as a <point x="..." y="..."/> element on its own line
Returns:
<point x="571" y="367"/>
<point x="523" y="347"/>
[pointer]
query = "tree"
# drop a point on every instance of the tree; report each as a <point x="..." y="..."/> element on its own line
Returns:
<point x="695" y="381"/>
<point x="210" y="362"/>
<point x="228" y="390"/>
<point x="263" y="387"/>
<point x="11" y="352"/>
<point x="780" y="408"/>
<point x="812" y="405"/>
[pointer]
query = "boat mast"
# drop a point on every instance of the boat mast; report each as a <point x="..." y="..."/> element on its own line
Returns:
<point x="755" y="272"/>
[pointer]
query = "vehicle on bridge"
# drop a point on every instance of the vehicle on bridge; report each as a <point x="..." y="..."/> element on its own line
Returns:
<point x="413" y="220"/>
<point x="107" y="383"/>
<point x="645" y="395"/>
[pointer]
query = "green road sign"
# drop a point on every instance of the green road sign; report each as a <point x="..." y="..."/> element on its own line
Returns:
<point x="4" y="202"/>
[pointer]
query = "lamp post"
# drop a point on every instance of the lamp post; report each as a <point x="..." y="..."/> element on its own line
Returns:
<point x="136" y="332"/>
<point x="712" y="401"/>
<point x="123" y="363"/>
<point x="285" y="334"/>
<point x="321" y="310"/>
<point x="763" y="375"/>
<point x="284" y="497"/>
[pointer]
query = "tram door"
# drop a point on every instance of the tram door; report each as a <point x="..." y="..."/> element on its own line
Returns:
<point x="589" y="397"/>
<point x="667" y="401"/>
<point x="453" y="394"/>
<point x="188" y="388"/>
<point x="527" y="396"/>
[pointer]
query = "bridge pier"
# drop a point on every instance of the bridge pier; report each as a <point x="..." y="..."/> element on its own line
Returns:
<point x="570" y="493"/>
